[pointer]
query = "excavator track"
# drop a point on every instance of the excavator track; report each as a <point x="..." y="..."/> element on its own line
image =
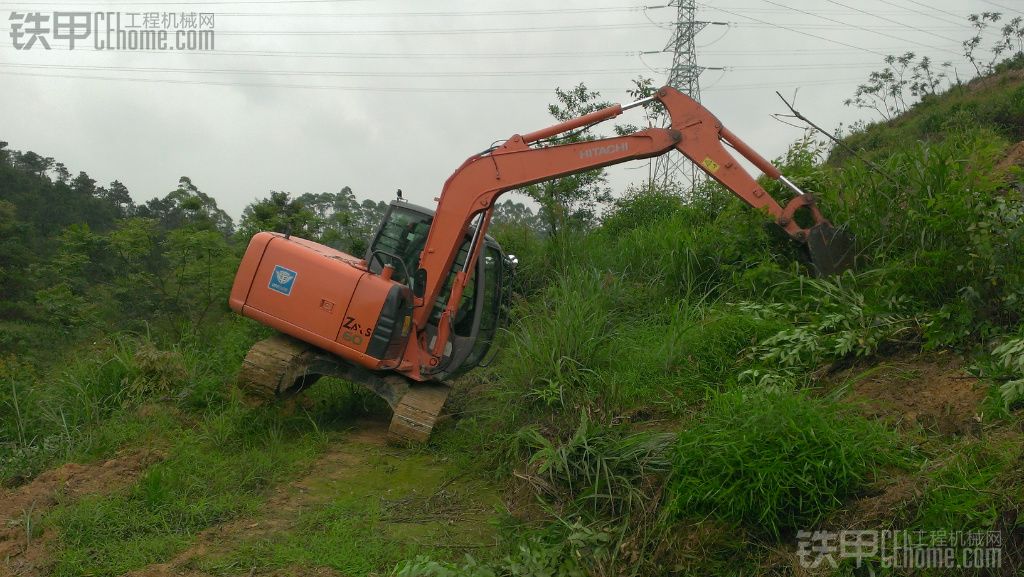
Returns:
<point x="417" y="413"/>
<point x="276" y="368"/>
<point x="281" y="366"/>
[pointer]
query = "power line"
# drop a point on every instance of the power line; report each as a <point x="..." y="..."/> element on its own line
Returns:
<point x="1001" y="6"/>
<point x="935" y="8"/>
<point x="783" y="27"/>
<point x="430" y="32"/>
<point x="390" y="89"/>
<point x="899" y="23"/>
<point x="842" y="26"/>
<point x="369" y="55"/>
<point x="962" y="24"/>
<point x="406" y="74"/>
<point x="516" y="90"/>
<point x="792" y="84"/>
<point x="543" y="11"/>
<point x="336" y="73"/>
<point x="192" y="2"/>
<point x="872" y="31"/>
<point x="798" y="66"/>
<point x="764" y="10"/>
<point x="795" y="52"/>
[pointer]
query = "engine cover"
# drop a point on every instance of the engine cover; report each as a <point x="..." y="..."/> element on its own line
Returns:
<point x="322" y="296"/>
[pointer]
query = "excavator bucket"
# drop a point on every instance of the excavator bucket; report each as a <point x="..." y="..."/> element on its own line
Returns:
<point x="831" y="249"/>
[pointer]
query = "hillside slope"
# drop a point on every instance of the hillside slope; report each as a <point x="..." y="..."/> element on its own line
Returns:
<point x="675" y="395"/>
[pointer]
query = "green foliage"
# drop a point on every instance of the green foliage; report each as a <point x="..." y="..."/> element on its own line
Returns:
<point x="892" y="90"/>
<point x="1007" y="46"/>
<point x="775" y="461"/>
<point x="537" y="557"/>
<point x="1010" y="357"/>
<point x="597" y="470"/>
<point x="215" y="474"/>
<point x="337" y="219"/>
<point x="639" y="208"/>
<point x="84" y="406"/>
<point x="573" y="201"/>
<point x="952" y="499"/>
<point x="557" y="345"/>
<point x="832" y="319"/>
<point x="944" y="235"/>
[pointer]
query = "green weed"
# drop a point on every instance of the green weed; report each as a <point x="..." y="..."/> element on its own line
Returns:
<point x="775" y="461"/>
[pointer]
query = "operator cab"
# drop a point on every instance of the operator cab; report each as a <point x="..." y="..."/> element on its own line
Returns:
<point x="399" y="241"/>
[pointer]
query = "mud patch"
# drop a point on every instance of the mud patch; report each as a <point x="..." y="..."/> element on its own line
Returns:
<point x="882" y="507"/>
<point x="1014" y="157"/>
<point x="21" y="546"/>
<point x="930" y="391"/>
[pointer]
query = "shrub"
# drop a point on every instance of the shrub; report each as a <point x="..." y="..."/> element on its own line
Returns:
<point x="833" y="318"/>
<point x="775" y="461"/>
<point x="600" y="470"/>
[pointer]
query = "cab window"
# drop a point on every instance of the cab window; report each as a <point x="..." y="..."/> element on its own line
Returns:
<point x="399" y="242"/>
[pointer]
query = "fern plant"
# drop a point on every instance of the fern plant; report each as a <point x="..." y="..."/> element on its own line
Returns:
<point x="1010" y="356"/>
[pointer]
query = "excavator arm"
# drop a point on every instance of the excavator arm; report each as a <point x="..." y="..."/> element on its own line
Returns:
<point x="470" y="192"/>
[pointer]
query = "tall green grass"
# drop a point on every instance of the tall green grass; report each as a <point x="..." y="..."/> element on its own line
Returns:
<point x="775" y="461"/>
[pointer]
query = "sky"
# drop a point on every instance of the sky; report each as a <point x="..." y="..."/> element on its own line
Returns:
<point x="315" y="95"/>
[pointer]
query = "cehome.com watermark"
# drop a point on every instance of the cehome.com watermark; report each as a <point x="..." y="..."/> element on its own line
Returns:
<point x="113" y="30"/>
<point x="899" y="549"/>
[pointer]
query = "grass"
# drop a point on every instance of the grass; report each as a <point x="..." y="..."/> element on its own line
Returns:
<point x="390" y="506"/>
<point x="775" y="461"/>
<point x="216" y="469"/>
<point x="972" y="486"/>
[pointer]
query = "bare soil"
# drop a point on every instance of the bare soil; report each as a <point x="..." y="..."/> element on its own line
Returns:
<point x="930" y="391"/>
<point x="1014" y="157"/>
<point x="21" y="550"/>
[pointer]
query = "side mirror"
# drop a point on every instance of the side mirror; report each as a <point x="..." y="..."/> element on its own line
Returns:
<point x="419" y="283"/>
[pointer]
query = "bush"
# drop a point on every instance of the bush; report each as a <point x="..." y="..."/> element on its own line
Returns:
<point x="599" y="470"/>
<point x="775" y="461"/>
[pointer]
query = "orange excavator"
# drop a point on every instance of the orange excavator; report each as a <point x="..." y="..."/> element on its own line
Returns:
<point x="422" y="305"/>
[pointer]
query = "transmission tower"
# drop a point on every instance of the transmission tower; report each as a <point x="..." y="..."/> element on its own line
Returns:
<point x="685" y="77"/>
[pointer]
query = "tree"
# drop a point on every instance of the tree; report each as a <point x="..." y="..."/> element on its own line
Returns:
<point x="187" y="206"/>
<point x="893" y="90"/>
<point x="572" y="201"/>
<point x="511" y="213"/>
<point x="118" y="196"/>
<point x="279" y="213"/>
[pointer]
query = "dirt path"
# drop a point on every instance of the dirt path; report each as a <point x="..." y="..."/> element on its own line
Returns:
<point x="360" y="464"/>
<point x="22" y="546"/>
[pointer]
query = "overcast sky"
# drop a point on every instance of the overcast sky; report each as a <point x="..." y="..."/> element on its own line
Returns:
<point x="314" y="95"/>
